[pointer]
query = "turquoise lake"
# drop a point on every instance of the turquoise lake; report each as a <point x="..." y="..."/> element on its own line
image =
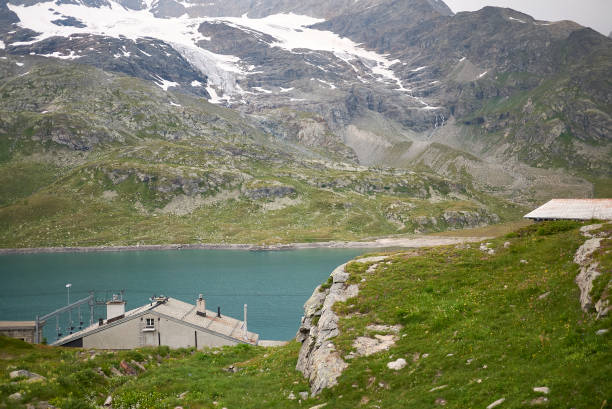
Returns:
<point x="274" y="284"/>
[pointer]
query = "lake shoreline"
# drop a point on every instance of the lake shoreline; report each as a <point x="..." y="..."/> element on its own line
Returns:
<point x="414" y="242"/>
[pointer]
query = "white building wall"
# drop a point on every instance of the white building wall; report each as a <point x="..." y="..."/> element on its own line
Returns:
<point x="174" y="334"/>
<point x="122" y="336"/>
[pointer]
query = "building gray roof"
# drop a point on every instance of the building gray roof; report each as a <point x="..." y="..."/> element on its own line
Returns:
<point x="179" y="311"/>
<point x="6" y="325"/>
<point x="574" y="209"/>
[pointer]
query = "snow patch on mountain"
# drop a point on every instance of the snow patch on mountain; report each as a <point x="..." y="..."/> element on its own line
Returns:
<point x="263" y="90"/>
<point x="329" y="84"/>
<point x="290" y="32"/>
<point x="57" y="54"/>
<point x="164" y="84"/>
<point x="518" y="20"/>
<point x="116" y="21"/>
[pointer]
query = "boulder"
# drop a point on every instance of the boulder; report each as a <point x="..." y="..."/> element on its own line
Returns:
<point x="542" y="389"/>
<point x="15" y="396"/>
<point x="31" y="376"/>
<point x="115" y="371"/>
<point x="397" y="364"/>
<point x="138" y="365"/>
<point x="127" y="368"/>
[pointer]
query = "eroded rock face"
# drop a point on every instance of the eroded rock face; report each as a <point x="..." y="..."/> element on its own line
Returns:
<point x="463" y="219"/>
<point x="319" y="360"/>
<point x="269" y="192"/>
<point x="589" y="271"/>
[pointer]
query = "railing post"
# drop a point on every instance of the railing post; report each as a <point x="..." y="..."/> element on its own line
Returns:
<point x="91" y="308"/>
<point x="36" y="331"/>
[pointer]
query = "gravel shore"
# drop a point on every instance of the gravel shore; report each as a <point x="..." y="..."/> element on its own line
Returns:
<point x="413" y="242"/>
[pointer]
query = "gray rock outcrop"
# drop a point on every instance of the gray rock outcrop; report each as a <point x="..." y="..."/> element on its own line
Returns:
<point x="30" y="376"/>
<point x="589" y="271"/>
<point x="319" y="360"/>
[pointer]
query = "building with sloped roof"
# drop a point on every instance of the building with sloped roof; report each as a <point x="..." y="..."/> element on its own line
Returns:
<point x="573" y="209"/>
<point x="165" y="321"/>
<point x="23" y="330"/>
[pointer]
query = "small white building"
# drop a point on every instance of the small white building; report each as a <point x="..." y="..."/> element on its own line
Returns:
<point x="573" y="209"/>
<point x="165" y="321"/>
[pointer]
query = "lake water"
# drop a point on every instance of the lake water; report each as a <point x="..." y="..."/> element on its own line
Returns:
<point x="275" y="285"/>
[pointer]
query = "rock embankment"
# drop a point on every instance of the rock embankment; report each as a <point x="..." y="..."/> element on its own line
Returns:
<point x="319" y="360"/>
<point x="590" y="271"/>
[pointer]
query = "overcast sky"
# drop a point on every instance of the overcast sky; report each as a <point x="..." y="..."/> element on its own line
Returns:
<point x="596" y="14"/>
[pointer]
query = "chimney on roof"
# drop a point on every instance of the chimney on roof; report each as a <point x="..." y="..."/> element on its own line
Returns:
<point x="201" y="306"/>
<point x="115" y="307"/>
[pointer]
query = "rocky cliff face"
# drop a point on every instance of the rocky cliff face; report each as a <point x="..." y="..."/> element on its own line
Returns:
<point x="590" y="271"/>
<point x="318" y="359"/>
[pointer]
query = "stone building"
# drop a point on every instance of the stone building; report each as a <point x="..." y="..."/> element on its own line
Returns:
<point x="23" y="330"/>
<point x="165" y="321"/>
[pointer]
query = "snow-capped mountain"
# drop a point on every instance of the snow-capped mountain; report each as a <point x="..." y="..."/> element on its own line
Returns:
<point x="388" y="81"/>
<point x="100" y="31"/>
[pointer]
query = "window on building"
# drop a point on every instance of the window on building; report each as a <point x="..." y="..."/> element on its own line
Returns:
<point x="150" y="323"/>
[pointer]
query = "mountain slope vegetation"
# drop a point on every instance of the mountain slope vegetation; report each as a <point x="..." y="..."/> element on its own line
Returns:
<point x="93" y="158"/>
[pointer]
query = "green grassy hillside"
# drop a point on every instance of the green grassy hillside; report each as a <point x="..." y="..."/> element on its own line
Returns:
<point x="92" y="158"/>
<point x="476" y="327"/>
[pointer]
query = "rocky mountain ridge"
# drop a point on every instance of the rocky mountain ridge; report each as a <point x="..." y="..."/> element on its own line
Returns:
<point x="159" y="167"/>
<point x="494" y="103"/>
